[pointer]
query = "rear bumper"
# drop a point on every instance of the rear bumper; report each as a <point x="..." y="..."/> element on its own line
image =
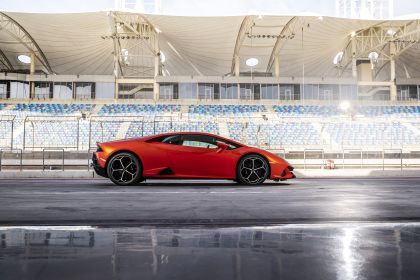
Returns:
<point x="98" y="169"/>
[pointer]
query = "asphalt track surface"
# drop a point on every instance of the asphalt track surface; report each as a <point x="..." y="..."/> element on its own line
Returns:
<point x="300" y="201"/>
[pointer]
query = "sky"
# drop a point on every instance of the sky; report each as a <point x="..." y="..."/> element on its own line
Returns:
<point x="202" y="7"/>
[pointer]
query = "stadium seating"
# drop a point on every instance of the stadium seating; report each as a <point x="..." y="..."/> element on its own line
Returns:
<point x="375" y="111"/>
<point x="275" y="134"/>
<point x="371" y="134"/>
<point x="48" y="134"/>
<point x="284" y="126"/>
<point x="150" y="128"/>
<point x="310" y="110"/>
<point x="142" y="109"/>
<point x="244" y="110"/>
<point x="54" y="109"/>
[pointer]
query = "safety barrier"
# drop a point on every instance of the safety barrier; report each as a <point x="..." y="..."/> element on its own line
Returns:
<point x="12" y="151"/>
<point x="53" y="150"/>
<point x="18" y="159"/>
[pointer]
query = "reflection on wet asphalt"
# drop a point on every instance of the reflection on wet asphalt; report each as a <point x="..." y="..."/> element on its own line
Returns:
<point x="320" y="251"/>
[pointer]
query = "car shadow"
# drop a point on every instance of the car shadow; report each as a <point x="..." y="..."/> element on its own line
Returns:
<point x="203" y="185"/>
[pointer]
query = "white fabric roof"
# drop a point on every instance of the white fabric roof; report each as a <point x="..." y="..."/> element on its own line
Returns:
<point x="204" y="46"/>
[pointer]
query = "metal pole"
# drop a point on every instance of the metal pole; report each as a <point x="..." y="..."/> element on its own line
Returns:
<point x="383" y="159"/>
<point x="21" y="159"/>
<point x="33" y="135"/>
<point x="78" y="133"/>
<point x="90" y="133"/>
<point x="88" y="160"/>
<point x="24" y="132"/>
<point x="11" y="136"/>
<point x="43" y="159"/>
<point x="102" y="131"/>
<point x="401" y="159"/>
<point x="63" y="161"/>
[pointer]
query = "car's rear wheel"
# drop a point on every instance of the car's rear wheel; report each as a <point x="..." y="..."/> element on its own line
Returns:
<point x="124" y="169"/>
<point x="252" y="170"/>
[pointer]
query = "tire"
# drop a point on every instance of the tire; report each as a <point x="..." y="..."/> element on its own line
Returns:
<point x="124" y="169"/>
<point x="252" y="169"/>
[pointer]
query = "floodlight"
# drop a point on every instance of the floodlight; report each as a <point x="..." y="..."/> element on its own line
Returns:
<point x="24" y="58"/>
<point x="373" y="57"/>
<point x="391" y="32"/>
<point x="345" y="105"/>
<point x="338" y="57"/>
<point x="252" y="62"/>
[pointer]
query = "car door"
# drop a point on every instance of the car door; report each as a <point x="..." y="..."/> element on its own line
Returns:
<point x="197" y="156"/>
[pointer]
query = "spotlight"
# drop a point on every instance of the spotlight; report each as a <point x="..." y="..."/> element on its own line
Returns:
<point x="24" y="58"/>
<point x="345" y="106"/>
<point x="252" y="62"/>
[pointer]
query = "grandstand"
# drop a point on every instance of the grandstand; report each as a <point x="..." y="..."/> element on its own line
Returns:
<point x="286" y="127"/>
<point x="277" y="82"/>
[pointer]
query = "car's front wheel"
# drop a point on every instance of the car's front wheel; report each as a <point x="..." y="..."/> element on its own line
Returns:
<point x="124" y="169"/>
<point x="252" y="170"/>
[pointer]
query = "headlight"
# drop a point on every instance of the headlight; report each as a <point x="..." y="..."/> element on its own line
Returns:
<point x="98" y="148"/>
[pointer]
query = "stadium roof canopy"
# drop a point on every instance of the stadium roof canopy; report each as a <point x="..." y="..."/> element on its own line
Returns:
<point x="82" y="43"/>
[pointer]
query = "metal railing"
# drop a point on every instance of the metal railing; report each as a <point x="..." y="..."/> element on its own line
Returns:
<point x="12" y="151"/>
<point x="309" y="158"/>
<point x="37" y="129"/>
<point x="314" y="151"/>
<point x="52" y="150"/>
<point x="81" y="134"/>
<point x="7" y="126"/>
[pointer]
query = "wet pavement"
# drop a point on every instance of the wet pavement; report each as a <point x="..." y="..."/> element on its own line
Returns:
<point x="320" y="251"/>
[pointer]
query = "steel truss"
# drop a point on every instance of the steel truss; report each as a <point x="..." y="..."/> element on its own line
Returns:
<point x="246" y="24"/>
<point x="16" y="30"/>
<point x="135" y="45"/>
<point x="4" y="62"/>
<point x="288" y="32"/>
<point x="389" y="39"/>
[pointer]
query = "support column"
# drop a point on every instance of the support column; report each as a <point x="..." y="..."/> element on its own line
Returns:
<point x="353" y="58"/>
<point x="276" y="67"/>
<point x="116" y="89"/>
<point x="237" y="66"/>
<point x="155" y="84"/>
<point x="116" y="65"/>
<point x="393" y="87"/>
<point x="32" y="72"/>
<point x="237" y="73"/>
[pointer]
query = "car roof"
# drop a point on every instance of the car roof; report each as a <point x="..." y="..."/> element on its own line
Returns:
<point x="194" y="133"/>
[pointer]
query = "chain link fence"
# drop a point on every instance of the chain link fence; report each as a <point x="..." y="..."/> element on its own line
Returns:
<point x="304" y="143"/>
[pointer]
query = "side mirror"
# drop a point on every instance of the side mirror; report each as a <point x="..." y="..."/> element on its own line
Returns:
<point x="222" y="146"/>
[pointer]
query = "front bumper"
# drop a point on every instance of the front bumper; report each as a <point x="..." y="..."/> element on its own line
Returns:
<point x="284" y="174"/>
<point x="98" y="169"/>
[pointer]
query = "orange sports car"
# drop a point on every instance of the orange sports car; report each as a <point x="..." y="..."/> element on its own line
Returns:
<point x="187" y="155"/>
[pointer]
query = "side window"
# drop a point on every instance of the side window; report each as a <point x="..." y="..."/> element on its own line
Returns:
<point x="172" y="139"/>
<point x="199" y="141"/>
